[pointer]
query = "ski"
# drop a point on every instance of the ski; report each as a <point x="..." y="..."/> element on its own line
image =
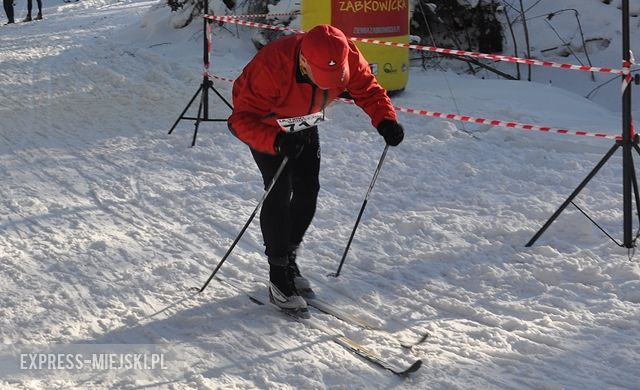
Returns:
<point x="345" y="342"/>
<point x="331" y="309"/>
<point x="347" y="317"/>
<point x="335" y="311"/>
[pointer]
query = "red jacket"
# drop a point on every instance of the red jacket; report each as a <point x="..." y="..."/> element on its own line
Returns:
<point x="271" y="87"/>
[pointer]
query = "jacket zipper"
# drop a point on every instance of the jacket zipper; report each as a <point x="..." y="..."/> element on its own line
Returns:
<point x="313" y="98"/>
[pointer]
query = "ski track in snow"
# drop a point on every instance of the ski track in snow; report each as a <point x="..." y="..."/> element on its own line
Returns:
<point x="106" y="222"/>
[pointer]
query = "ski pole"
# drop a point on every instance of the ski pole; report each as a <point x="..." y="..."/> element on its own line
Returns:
<point x="246" y="225"/>
<point x="364" y="204"/>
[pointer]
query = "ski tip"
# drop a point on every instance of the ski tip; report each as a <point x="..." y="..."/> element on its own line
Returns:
<point x="413" y="368"/>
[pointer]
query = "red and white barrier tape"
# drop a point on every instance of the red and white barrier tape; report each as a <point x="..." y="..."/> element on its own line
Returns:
<point x="293" y="13"/>
<point x="495" y="122"/>
<point x="627" y="78"/>
<point x="482" y="121"/>
<point x="460" y="53"/>
<point x="231" y="19"/>
<point x="222" y="78"/>
<point x="207" y="63"/>
<point x="494" y="57"/>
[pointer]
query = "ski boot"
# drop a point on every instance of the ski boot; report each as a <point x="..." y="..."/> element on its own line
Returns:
<point x="282" y="290"/>
<point x="301" y="283"/>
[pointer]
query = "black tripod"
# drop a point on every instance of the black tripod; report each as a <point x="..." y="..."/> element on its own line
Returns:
<point x="207" y="84"/>
<point x="629" y="141"/>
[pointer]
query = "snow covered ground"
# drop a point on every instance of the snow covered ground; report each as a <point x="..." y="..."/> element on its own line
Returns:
<point x="106" y="222"/>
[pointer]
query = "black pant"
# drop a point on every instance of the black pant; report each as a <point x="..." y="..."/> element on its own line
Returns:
<point x="288" y="210"/>
<point x="30" y="6"/>
<point x="8" y="9"/>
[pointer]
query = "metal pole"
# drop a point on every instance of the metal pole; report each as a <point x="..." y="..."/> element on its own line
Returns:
<point x="185" y="110"/>
<point x="575" y="193"/>
<point x="364" y="204"/>
<point x="627" y="159"/>
<point x="246" y="225"/>
<point x="205" y="82"/>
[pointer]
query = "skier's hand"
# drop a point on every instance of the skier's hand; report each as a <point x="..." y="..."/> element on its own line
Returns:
<point x="289" y="144"/>
<point x="392" y="131"/>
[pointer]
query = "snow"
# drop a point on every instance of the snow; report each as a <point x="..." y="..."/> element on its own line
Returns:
<point x="106" y="222"/>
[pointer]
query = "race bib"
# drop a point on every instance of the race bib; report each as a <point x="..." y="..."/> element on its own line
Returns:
<point x="298" y="123"/>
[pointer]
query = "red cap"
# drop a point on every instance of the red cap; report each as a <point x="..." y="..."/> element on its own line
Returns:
<point x="326" y="49"/>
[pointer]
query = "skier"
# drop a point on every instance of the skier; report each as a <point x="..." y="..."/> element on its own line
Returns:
<point x="278" y="101"/>
<point x="30" y="7"/>
<point x="8" y="9"/>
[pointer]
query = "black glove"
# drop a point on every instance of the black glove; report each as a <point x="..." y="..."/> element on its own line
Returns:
<point x="392" y="131"/>
<point x="289" y="144"/>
